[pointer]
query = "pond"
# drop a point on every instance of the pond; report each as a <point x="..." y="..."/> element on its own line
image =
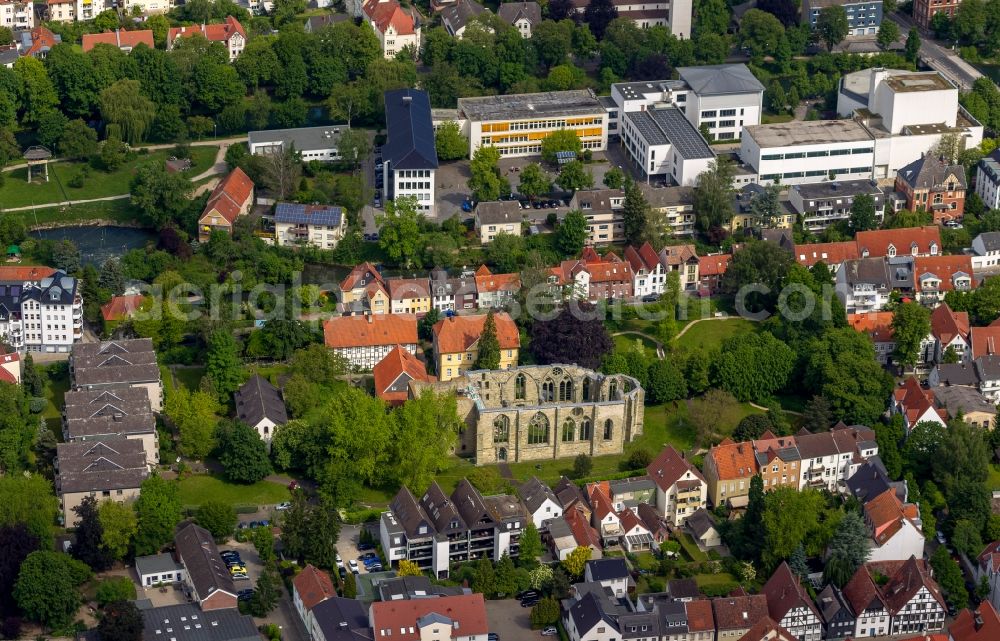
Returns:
<point x="990" y="71"/>
<point x="99" y="243"/>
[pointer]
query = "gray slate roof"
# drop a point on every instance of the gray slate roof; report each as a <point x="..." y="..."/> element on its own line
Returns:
<point x="256" y="400"/>
<point x="187" y="622"/>
<point x="96" y="466"/>
<point x="700" y="522"/>
<point x="534" y="494"/>
<point x="82" y="404"/>
<point x="511" y="12"/>
<point x="669" y="126"/>
<point x="114" y="362"/>
<point x="867" y="270"/>
<point x="459" y="15"/>
<point x="607" y="569"/>
<point x="342" y="619"/>
<point x="712" y="80"/>
<point x="206" y="569"/>
<point x="155" y="564"/>
<point x="304" y="138"/>
<point x="498" y="212"/>
<point x="410" y="130"/>
<point x="990" y="240"/>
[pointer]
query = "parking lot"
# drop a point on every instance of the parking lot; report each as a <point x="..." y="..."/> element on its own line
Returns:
<point x="510" y="621"/>
<point x="347" y="547"/>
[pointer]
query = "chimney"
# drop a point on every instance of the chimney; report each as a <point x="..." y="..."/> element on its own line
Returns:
<point x="369" y="318"/>
<point x="978" y="621"/>
<point x="407" y="99"/>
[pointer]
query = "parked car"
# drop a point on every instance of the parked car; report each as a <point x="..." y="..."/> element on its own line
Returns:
<point x="244" y="595"/>
<point x="241" y="576"/>
<point x="228" y="553"/>
<point x="342" y="571"/>
<point x="366" y="546"/>
<point x="375" y="567"/>
<point x="281" y="507"/>
<point x="492" y="636"/>
<point x="467" y="205"/>
<point x="650" y="298"/>
<point x="378" y="202"/>
<point x="367" y="555"/>
<point x="237" y="568"/>
<point x="940" y="537"/>
<point x="529" y="602"/>
<point x="354" y="565"/>
<point x="527" y="594"/>
<point x="550" y="631"/>
<point x="554" y="203"/>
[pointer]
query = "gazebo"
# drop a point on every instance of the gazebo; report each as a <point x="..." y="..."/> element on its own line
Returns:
<point x="35" y="156"/>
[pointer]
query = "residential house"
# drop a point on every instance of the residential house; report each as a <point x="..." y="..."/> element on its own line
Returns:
<point x="447" y="618"/>
<point x="366" y="340"/>
<point x="41" y="309"/>
<point x="231" y="198"/>
<point x="986" y="250"/>
<point x="339" y="619"/>
<point x="830" y="458"/>
<point x="985" y="340"/>
<point x="410" y="158"/>
<point x="871" y="614"/>
<point x="38" y="41"/>
<point x="682" y="259"/>
<point x="736" y="614"/>
<point x="681" y="490"/>
<point x="540" y="501"/>
<point x="459" y="15"/>
<point x="610" y="573"/>
<point x="729" y="466"/>
<point x="746" y="218"/>
<point x="778" y="461"/>
<point x="523" y="15"/>
<point x="456" y="343"/>
<point x="396" y="29"/>
<point x="111" y="469"/>
<point x="988" y="567"/>
<point x="604" y="518"/>
<point x="649" y="13"/>
<point x="915" y="404"/>
<point x="409" y="295"/>
<point x="931" y="184"/>
<point x="115" y="365"/>
<point x="864" y="285"/>
<point x="495" y="290"/>
<point x="894" y="527"/>
<point x="120" y="308"/>
<point x="908" y="241"/>
<point x="967" y="403"/>
<point x="17" y="15"/>
<point x="185" y="622"/>
<point x="260" y="405"/>
<point x="711" y="268"/>
<point x="610" y="276"/>
<point x="951" y="333"/>
<point x="934" y="276"/>
<point x="498" y="217"/>
<point x="648" y="275"/>
<point x="703" y="528"/>
<point x="105" y="414"/>
<point x="412" y="587"/>
<point x="207" y="578"/>
<point x="925" y="10"/>
<point x="355" y="285"/>
<point x="654" y="522"/>
<point x="791" y="606"/>
<point x="981" y="624"/>
<point x="833" y="255"/>
<point x="124" y="40"/>
<point x="603" y="209"/>
<point x="871" y="480"/>
<point x="229" y="32"/>
<point x="878" y="327"/>
<point x="393" y="375"/>
<point x="310" y="587"/>
<point x="147" y="7"/>
<point x="321" y="226"/>
<point x="630" y="493"/>
<point x="636" y="537"/>
<point x="827" y="203"/>
<point x="569" y="532"/>
<point x="988" y="182"/>
<point x="158" y="569"/>
<point x="452" y="294"/>
<point x="586" y="620"/>
<point x="571" y="496"/>
<point x="675" y="204"/>
<point x="911" y="596"/>
<point x="838" y="616"/>
<point x="10" y="367"/>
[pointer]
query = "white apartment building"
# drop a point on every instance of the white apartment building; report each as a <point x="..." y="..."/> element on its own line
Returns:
<point x="409" y="157"/>
<point x="396" y="29"/>
<point x="62" y="10"/>
<point x="800" y="152"/>
<point x="317" y="225"/>
<point x="663" y="143"/>
<point x="41" y="309"/>
<point x="517" y="124"/>
<point x="149" y="7"/>
<point x="988" y="180"/>
<point x="17" y="15"/>
<point x="673" y="14"/>
<point x="88" y="9"/>
<point x="823" y="204"/>
<point x="986" y="251"/>
<point x="726" y="98"/>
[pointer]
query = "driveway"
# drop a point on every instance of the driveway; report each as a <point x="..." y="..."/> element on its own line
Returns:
<point x="510" y="621"/>
<point x="347" y="546"/>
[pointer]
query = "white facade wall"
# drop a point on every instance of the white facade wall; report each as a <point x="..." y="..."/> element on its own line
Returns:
<point x="545" y="513"/>
<point x="645" y="283"/>
<point x="801" y="164"/>
<point x="922" y="614"/>
<point x="726" y="115"/>
<point x="662" y="160"/>
<point x="872" y="623"/>
<point x="524" y="137"/>
<point x="993" y="578"/>
<point x="903" y="108"/>
<point x="88" y="9"/>
<point x="150" y="6"/>
<point x="907" y="542"/>
<point x="413" y="182"/>
<point x="988" y="189"/>
<point x="17" y="15"/>
<point x="366" y="357"/>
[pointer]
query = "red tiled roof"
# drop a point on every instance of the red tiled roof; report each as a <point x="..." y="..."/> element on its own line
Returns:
<point x="784" y="593"/>
<point x="487" y="281"/>
<point x="985" y="340"/>
<point x="121" y="307"/>
<point x="119" y="38"/>
<point x="904" y="584"/>
<point x="466" y="614"/>
<point x="645" y="257"/>
<point x="584" y="534"/>
<point x="5" y="375"/>
<point x="733" y="460"/>
<point x="230" y="196"/>
<point x="699" y="616"/>
<point x="459" y="333"/>
<point x="877" y="325"/>
<point x="218" y="32"/>
<point x="738" y="612"/>
<point x="827" y="253"/>
<point x="407" y="288"/>
<point x="981" y="625"/>
<point x="313" y="586"/>
<point x="361" y="331"/>
<point x="946" y="324"/>
<point x="25" y="272"/>
<point x="41" y="38"/>
<point x="609" y="269"/>
<point x="767" y="630"/>
<point x="877" y="241"/>
<point x="943" y="267"/>
<point x="601" y="501"/>
<point x="397" y="362"/>
<point x="630" y="521"/>
<point x="676" y="255"/>
<point x="915" y="400"/>
<point x="360" y="276"/>
<point x="668" y="467"/>
<point x="861" y="592"/>
<point x="388" y="12"/>
<point x="989" y="558"/>
<point x="714" y="265"/>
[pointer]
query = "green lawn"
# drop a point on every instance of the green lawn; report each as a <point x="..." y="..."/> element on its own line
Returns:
<point x="118" y="211"/>
<point x="189" y="377"/>
<point x="689" y="547"/>
<point x="16" y="192"/>
<point x="715" y="580"/>
<point x="993" y="482"/>
<point x="668" y="425"/>
<point x="198" y="489"/>
<point x="711" y="333"/>
<point x="56" y="390"/>
<point x="770" y="119"/>
<point x="625" y="342"/>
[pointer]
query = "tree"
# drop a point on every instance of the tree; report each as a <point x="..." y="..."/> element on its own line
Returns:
<point x="218" y="517"/>
<point x="752" y="427"/>
<point x="399" y="229"/>
<point x="848" y="549"/>
<point x="488" y="356"/>
<point x="46" y="588"/>
<point x="817" y="415"/>
<point x="912" y="49"/>
<point x="576" y="562"/>
<point x="485" y="182"/>
<point x="112" y="278"/>
<point x="121" y="621"/>
<point x="561" y="140"/>
<point x="614" y="178"/>
<point x="36" y="91"/>
<point x="863" y="213"/>
<point x="195" y="415"/>
<point x="87" y="546"/>
<point x="582" y="466"/>
<point x="598" y="15"/>
<point x="572" y="232"/>
<point x="50" y="128"/>
<point x="16" y="543"/>
<point x="350" y="586"/>
<point x="125" y="105"/>
<point x="965" y="538"/>
<point x="832" y="26"/>
<point x="888" y="34"/>
<point x="158" y="511"/>
<point x="483" y="578"/>
<point x="545" y="613"/>
<point x="752" y="367"/>
<point x="798" y="563"/>
<point x="118" y="526"/>
<point x="408" y="568"/>
<point x="777" y="101"/>
<point x="243" y="455"/>
<point x="760" y="32"/>
<point x="449" y="142"/>
<point x="578" y="338"/>
<point x="635" y="213"/>
<point x="310" y="531"/>
<point x="665" y="383"/>
<point x="573" y="176"/>
<point x="66" y="256"/>
<point x="530" y="545"/>
<point x="266" y="593"/>
<point x="791" y="518"/>
<point x="161" y="196"/>
<point x="223" y="363"/>
<point x="424" y="434"/>
<point x="505" y="577"/>
<point x="113" y="152"/>
<point x="280" y="172"/>
<point x="533" y="181"/>
<point x="707" y="412"/>
<point x="911" y="324"/>
<point x="949" y="576"/>
<point x="713" y="195"/>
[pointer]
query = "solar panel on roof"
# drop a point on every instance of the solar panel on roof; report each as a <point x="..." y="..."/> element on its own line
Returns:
<point x="307" y="215"/>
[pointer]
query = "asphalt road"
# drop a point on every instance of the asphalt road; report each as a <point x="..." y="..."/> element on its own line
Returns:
<point x="940" y="58"/>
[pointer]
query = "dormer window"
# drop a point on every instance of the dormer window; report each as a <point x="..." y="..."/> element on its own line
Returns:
<point x="890" y="252"/>
<point x="934" y="249"/>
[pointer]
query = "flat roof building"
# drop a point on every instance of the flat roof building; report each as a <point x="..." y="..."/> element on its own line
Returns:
<point x="809" y="151"/>
<point x="313" y="143"/>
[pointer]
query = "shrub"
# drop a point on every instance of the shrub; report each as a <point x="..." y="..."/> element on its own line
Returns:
<point x="115" y="589"/>
<point x="546" y="612"/>
<point x="582" y="465"/>
<point x="37" y="405"/>
<point x="77" y="181"/>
